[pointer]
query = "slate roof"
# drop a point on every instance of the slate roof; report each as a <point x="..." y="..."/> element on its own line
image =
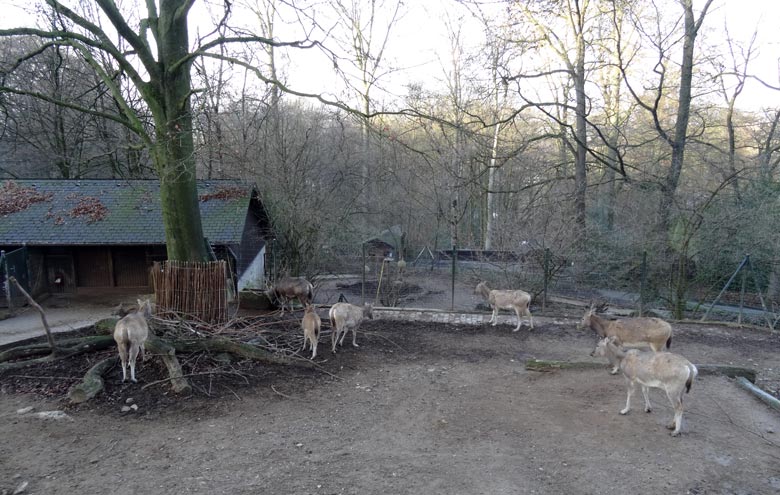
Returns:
<point x="132" y="213"/>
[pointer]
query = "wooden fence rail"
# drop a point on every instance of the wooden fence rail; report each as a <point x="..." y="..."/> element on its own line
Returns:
<point x="191" y="289"/>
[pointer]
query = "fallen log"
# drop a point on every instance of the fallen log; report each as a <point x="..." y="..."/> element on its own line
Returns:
<point x="768" y="399"/>
<point x="92" y="384"/>
<point x="96" y="342"/>
<point x="704" y="369"/>
<point x="79" y="346"/>
<point x="167" y="353"/>
<point x="248" y="351"/>
<point x="543" y="366"/>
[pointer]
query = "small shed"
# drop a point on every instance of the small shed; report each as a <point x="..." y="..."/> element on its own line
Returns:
<point x="388" y="244"/>
<point x="103" y="234"/>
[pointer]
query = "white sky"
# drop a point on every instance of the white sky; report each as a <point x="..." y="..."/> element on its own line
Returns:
<point x="419" y="44"/>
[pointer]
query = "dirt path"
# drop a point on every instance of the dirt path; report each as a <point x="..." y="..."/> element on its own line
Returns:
<point x="418" y="408"/>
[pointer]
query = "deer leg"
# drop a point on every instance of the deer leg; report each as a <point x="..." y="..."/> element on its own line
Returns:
<point x="646" y="394"/>
<point x="675" y="397"/>
<point x="530" y="317"/>
<point x="334" y="338"/>
<point x="628" y="397"/>
<point x="494" y="318"/>
<point x="519" y="321"/>
<point x="314" y="350"/>
<point x="133" y="355"/>
<point x="123" y="358"/>
<point x="354" y="337"/>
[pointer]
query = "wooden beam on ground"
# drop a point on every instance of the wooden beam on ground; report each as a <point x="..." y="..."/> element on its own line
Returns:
<point x="704" y="369"/>
<point x="760" y="394"/>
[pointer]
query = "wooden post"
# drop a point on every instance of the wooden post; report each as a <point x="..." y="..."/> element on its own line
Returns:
<point x="37" y="306"/>
<point x="4" y="266"/>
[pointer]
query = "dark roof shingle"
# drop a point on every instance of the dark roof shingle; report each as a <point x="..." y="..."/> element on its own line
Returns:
<point x="132" y="213"/>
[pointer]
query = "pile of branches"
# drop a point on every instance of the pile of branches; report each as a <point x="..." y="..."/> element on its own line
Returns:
<point x="270" y="339"/>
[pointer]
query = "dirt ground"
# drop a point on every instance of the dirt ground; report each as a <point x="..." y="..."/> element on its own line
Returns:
<point x="417" y="408"/>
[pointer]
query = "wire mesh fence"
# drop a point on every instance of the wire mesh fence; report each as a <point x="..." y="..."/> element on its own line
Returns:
<point x="637" y="284"/>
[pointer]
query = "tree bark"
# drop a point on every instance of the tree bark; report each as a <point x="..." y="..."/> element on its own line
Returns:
<point x="174" y="149"/>
<point x="678" y="142"/>
<point x="167" y="353"/>
<point x="92" y="384"/>
<point x="219" y="344"/>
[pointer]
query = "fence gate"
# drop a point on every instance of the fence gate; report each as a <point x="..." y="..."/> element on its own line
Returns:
<point x="13" y="264"/>
<point x="191" y="289"/>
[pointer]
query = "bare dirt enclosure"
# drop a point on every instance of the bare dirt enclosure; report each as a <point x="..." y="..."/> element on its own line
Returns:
<point x="417" y="408"/>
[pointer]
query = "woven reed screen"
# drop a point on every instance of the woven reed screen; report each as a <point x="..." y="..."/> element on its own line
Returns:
<point x="190" y="289"/>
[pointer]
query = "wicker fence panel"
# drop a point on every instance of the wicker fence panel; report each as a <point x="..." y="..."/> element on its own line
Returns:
<point x="190" y="289"/>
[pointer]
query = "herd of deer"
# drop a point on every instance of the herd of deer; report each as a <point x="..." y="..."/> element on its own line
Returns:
<point x="656" y="368"/>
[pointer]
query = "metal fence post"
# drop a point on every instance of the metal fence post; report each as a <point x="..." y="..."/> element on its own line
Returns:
<point x="642" y="283"/>
<point x="454" y="264"/>
<point x="546" y="277"/>
<point x="363" y="275"/>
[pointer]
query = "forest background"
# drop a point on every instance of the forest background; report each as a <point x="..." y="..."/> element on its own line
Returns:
<point x="606" y="131"/>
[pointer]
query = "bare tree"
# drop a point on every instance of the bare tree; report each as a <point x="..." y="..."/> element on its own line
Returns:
<point x="675" y="138"/>
<point x="158" y="65"/>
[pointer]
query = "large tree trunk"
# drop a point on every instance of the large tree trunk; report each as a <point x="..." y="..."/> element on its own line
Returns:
<point x="174" y="148"/>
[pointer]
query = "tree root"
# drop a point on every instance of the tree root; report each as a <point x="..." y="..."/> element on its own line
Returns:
<point x="67" y="348"/>
<point x="247" y="351"/>
<point x="167" y="353"/>
<point x="92" y="384"/>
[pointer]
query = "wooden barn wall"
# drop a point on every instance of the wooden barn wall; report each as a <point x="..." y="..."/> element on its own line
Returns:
<point x="93" y="267"/>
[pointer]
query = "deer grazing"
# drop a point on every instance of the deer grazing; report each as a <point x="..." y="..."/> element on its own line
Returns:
<point x="345" y="317"/>
<point x="517" y="300"/>
<point x="130" y="335"/>
<point x="289" y="288"/>
<point x="311" y="325"/>
<point x="670" y="372"/>
<point x="630" y="332"/>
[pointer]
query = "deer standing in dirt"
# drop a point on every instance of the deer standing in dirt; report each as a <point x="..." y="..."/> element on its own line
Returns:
<point x="630" y="332"/>
<point x="290" y="288"/>
<point x="345" y="317"/>
<point x="311" y="325"/>
<point x="670" y="372"/>
<point x="517" y="300"/>
<point x="130" y="335"/>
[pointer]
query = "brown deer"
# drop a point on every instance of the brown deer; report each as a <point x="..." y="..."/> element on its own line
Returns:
<point x="130" y="335"/>
<point x="517" y="300"/>
<point x="311" y="325"/>
<point x="670" y="372"/>
<point x="289" y="288"/>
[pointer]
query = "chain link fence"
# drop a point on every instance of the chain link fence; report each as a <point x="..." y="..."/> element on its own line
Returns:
<point x="630" y="285"/>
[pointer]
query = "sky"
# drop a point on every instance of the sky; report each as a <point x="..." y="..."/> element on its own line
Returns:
<point x="419" y="46"/>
